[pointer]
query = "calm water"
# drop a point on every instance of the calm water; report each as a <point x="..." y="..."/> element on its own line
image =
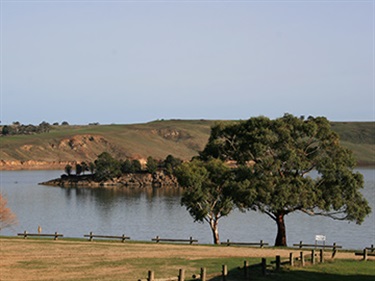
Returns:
<point x="143" y="214"/>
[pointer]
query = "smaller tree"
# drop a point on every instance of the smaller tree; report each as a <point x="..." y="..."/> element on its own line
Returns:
<point x="68" y="169"/>
<point x="151" y="165"/>
<point x="92" y="167"/>
<point x="126" y="166"/>
<point x="85" y="167"/>
<point x="79" y="169"/>
<point x="171" y="163"/>
<point x="7" y="217"/>
<point x="207" y="194"/>
<point x="107" y="167"/>
<point x="136" y="166"/>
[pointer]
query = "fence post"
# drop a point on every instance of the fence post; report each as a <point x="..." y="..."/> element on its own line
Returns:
<point x="300" y="244"/>
<point x="224" y="272"/>
<point x="151" y="276"/>
<point x="312" y="256"/>
<point x="278" y="263"/>
<point x="157" y="239"/>
<point x="264" y="266"/>
<point x="56" y="236"/>
<point x="365" y="254"/>
<point x="228" y="243"/>
<point x="203" y="274"/>
<point x="291" y="259"/>
<point x="91" y="236"/>
<point x="25" y="234"/>
<point x="181" y="275"/>
<point x="245" y="267"/>
<point x="334" y="250"/>
<point x="321" y="253"/>
<point x="261" y="243"/>
<point x="302" y="257"/>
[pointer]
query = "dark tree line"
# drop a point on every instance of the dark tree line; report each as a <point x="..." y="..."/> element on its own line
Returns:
<point x="106" y="167"/>
<point x="19" y="129"/>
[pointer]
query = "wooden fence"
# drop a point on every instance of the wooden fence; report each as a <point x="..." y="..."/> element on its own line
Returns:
<point x="334" y="247"/>
<point x="368" y="251"/>
<point x="25" y="234"/>
<point x="248" y="270"/>
<point x="261" y="244"/>
<point x="157" y="239"/>
<point x="91" y="237"/>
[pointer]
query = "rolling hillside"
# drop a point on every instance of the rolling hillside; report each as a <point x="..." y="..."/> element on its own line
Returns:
<point x="181" y="138"/>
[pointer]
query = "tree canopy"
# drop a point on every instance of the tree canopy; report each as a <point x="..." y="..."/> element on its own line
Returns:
<point x="207" y="196"/>
<point x="274" y="160"/>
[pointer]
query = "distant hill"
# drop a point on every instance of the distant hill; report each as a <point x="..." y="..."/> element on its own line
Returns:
<point x="181" y="138"/>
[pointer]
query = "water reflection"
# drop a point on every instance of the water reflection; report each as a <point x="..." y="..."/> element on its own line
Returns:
<point x="143" y="213"/>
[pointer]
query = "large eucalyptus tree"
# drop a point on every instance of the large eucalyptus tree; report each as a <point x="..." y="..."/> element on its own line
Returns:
<point x="274" y="161"/>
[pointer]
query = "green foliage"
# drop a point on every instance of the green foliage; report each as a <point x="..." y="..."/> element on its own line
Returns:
<point x="151" y="165"/>
<point x="274" y="158"/>
<point x="126" y="166"/>
<point x="107" y="167"/>
<point x="171" y="163"/>
<point x="207" y="196"/>
<point x="68" y="169"/>
<point x="136" y="166"/>
<point x="79" y="169"/>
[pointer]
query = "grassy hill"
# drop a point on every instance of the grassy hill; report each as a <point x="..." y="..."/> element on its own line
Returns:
<point x="181" y="138"/>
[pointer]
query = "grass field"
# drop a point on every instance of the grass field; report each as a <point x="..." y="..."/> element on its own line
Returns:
<point x="181" y="138"/>
<point x="67" y="259"/>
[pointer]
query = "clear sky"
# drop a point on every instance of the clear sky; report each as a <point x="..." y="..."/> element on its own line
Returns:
<point x="137" y="61"/>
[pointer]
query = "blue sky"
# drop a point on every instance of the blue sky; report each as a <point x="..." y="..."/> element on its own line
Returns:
<point x="137" y="61"/>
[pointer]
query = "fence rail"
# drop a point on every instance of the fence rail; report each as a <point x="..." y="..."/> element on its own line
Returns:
<point x="91" y="237"/>
<point x="261" y="244"/>
<point x="25" y="234"/>
<point x="157" y="239"/>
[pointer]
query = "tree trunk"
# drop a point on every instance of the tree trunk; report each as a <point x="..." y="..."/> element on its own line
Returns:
<point x="215" y="231"/>
<point x="281" y="230"/>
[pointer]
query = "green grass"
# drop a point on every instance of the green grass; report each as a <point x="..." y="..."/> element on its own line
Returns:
<point x="181" y="138"/>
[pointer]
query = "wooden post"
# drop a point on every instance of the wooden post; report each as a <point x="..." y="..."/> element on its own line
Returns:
<point x="334" y="250"/>
<point x="365" y="254"/>
<point x="25" y="234"/>
<point x="264" y="266"/>
<point x="151" y="276"/>
<point x="245" y="268"/>
<point x="312" y="256"/>
<point x="278" y="263"/>
<point x="302" y="257"/>
<point x="291" y="259"/>
<point x="91" y="236"/>
<point x="321" y="254"/>
<point x="261" y="243"/>
<point x="300" y="244"/>
<point x="157" y="239"/>
<point x="228" y="242"/>
<point x="56" y="236"/>
<point x="191" y="240"/>
<point x="181" y="275"/>
<point x="224" y="272"/>
<point x="203" y="274"/>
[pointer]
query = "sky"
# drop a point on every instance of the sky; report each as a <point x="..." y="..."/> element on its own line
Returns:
<point x="123" y="62"/>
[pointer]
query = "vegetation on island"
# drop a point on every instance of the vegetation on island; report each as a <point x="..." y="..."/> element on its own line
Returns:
<point x="106" y="167"/>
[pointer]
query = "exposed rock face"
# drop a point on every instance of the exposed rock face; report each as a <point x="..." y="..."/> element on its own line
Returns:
<point x="158" y="179"/>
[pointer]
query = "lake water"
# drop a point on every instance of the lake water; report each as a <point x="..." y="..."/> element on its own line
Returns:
<point x="145" y="213"/>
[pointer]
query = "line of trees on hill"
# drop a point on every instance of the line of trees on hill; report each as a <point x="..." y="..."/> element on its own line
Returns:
<point x="19" y="129"/>
<point x="107" y="167"/>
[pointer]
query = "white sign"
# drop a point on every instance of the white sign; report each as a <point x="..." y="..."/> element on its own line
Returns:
<point x="320" y="238"/>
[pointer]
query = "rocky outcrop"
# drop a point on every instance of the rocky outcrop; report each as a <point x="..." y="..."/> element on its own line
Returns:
<point x="158" y="179"/>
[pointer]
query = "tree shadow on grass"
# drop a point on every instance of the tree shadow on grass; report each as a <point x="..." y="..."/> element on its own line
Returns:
<point x="291" y="275"/>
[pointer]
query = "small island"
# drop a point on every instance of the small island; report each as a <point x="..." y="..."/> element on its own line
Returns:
<point x="107" y="171"/>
